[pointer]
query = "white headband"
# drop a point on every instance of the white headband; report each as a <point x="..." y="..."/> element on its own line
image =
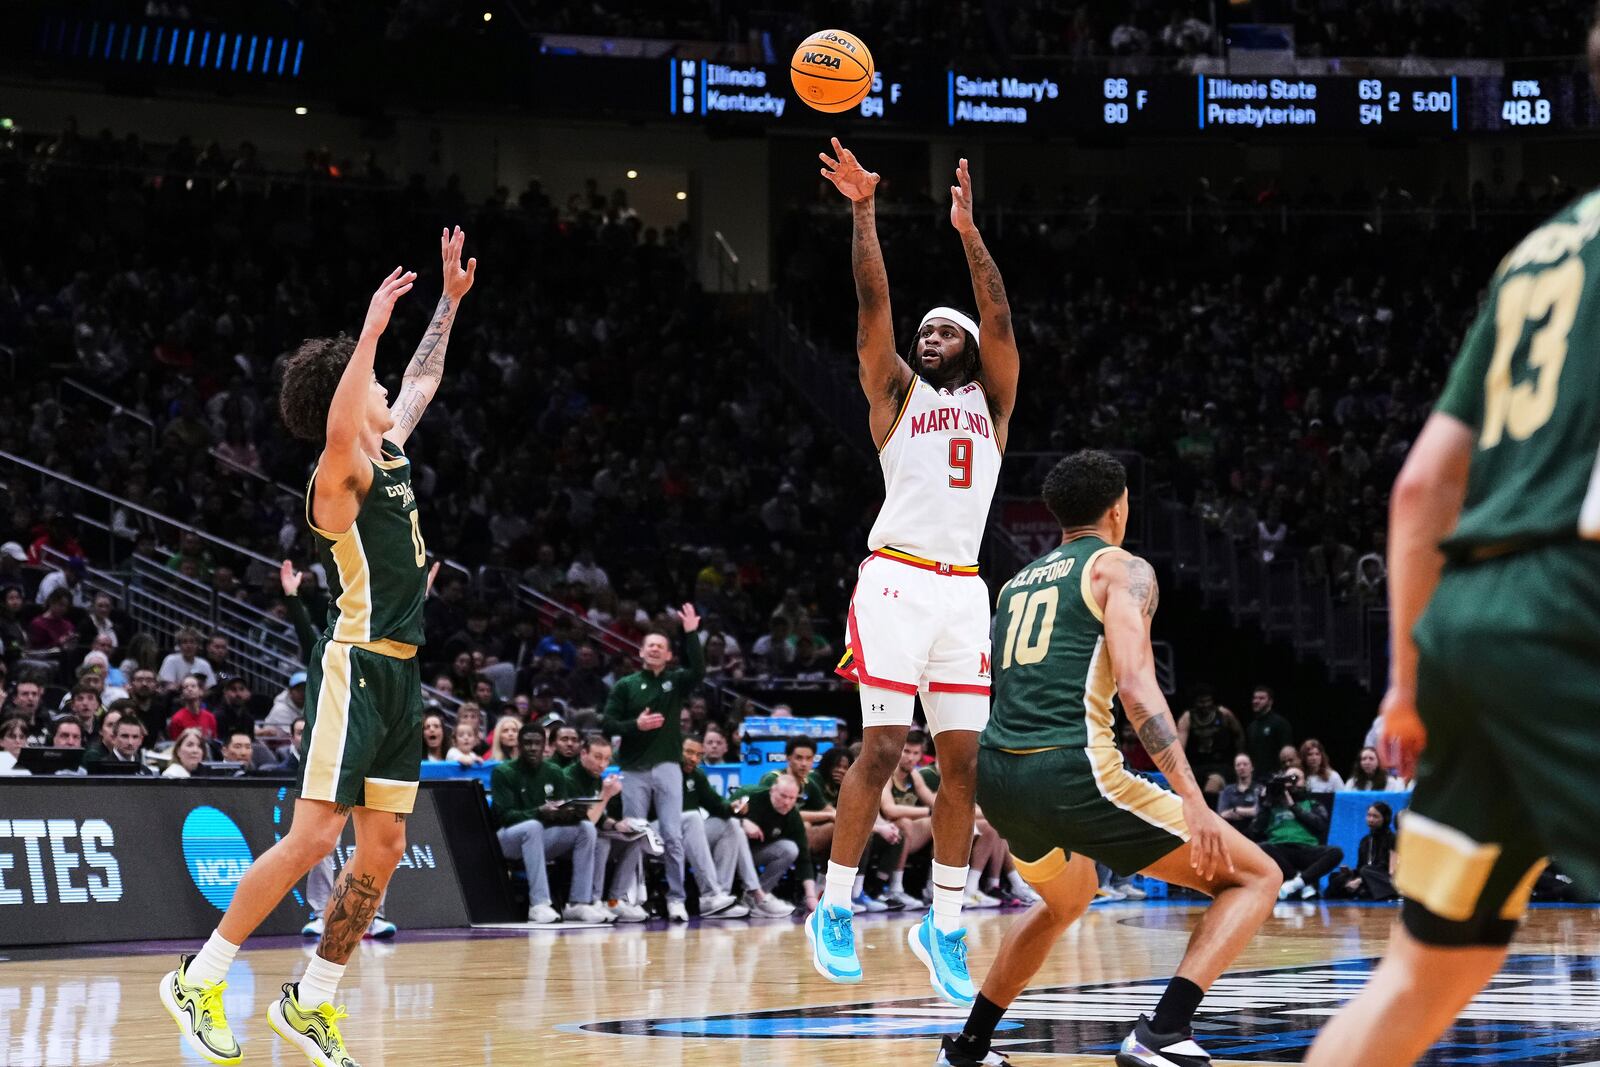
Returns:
<point x="954" y="316"/>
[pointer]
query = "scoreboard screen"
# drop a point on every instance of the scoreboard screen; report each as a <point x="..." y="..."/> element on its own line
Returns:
<point x="1533" y="103"/>
<point x="714" y="91"/>
<point x="1344" y="105"/>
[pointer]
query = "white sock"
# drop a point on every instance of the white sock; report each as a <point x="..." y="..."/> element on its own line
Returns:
<point x="211" y="963"/>
<point x="974" y="881"/>
<point x="319" y="983"/>
<point x="836" y="890"/>
<point x="859" y="888"/>
<point x="1018" y="884"/>
<point x="947" y="900"/>
<point x="897" y="881"/>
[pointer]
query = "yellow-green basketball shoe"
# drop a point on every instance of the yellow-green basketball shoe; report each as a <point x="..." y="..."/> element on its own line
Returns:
<point x="197" y="1009"/>
<point x="313" y="1031"/>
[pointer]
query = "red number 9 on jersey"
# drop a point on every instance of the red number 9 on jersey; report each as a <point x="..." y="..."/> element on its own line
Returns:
<point x="961" y="462"/>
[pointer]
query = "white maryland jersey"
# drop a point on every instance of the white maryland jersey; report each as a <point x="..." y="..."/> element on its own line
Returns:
<point x="941" y="463"/>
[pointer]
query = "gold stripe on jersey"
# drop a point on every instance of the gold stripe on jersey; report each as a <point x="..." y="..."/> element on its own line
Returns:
<point x="391" y="464"/>
<point x="311" y="489"/>
<point x="355" y="585"/>
<point x="1132" y="794"/>
<point x="1049" y="866"/>
<point x="1516" y="905"/>
<point x="388" y="794"/>
<point x="911" y="390"/>
<point x="1442" y="868"/>
<point x="389" y="647"/>
<point x="1086" y="583"/>
<point x="325" y="754"/>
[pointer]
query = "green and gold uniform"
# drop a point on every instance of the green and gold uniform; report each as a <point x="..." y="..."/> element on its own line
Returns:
<point x="1508" y="678"/>
<point x="363" y="738"/>
<point x="1050" y="775"/>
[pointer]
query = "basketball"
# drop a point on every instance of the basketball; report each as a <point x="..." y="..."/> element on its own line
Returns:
<point x="831" y="71"/>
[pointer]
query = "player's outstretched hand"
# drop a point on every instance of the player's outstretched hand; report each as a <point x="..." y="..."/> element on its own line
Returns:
<point x="961" y="200"/>
<point x="1208" y="843"/>
<point x="1402" y="736"/>
<point x="848" y="175"/>
<point x="456" y="280"/>
<point x="396" y="285"/>
<point x="290" y="578"/>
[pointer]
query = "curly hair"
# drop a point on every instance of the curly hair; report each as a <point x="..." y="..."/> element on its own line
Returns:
<point x="310" y="378"/>
<point x="1083" y="486"/>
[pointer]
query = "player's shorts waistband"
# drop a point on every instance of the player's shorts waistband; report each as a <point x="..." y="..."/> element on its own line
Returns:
<point x="927" y="564"/>
<point x="1029" y="751"/>
<point x="386" y="647"/>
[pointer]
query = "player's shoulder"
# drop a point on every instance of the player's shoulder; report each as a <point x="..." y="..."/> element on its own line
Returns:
<point x="1570" y="231"/>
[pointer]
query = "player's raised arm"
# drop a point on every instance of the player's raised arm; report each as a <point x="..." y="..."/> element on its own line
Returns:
<point x="426" y="368"/>
<point x="1131" y="595"/>
<point x="1001" y="363"/>
<point x="884" y="375"/>
<point x="343" y="471"/>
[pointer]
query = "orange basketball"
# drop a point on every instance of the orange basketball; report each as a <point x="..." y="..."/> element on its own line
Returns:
<point x="831" y="71"/>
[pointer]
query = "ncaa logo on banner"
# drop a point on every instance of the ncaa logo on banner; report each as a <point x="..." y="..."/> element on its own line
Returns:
<point x="216" y="853"/>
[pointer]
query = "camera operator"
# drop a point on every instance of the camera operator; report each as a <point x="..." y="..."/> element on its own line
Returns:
<point x="1290" y="828"/>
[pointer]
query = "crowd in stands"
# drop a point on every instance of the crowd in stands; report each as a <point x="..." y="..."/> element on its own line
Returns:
<point x="598" y="436"/>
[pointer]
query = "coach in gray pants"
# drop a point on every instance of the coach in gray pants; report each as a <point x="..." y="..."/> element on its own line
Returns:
<point x="643" y="712"/>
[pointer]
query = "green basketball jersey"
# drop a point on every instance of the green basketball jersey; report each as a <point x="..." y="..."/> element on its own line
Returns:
<point x="378" y="568"/>
<point x="1526" y="382"/>
<point x="1052" y="672"/>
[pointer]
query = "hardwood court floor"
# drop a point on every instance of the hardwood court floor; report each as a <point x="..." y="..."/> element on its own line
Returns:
<point x="700" y="991"/>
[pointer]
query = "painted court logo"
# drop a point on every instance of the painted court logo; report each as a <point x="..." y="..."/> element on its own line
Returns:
<point x="215" y="851"/>
<point x="1540" y="1011"/>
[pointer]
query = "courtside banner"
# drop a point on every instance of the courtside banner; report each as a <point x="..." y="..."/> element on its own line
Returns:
<point x="101" y="859"/>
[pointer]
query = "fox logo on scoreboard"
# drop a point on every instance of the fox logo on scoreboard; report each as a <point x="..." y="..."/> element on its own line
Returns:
<point x="1540" y="1011"/>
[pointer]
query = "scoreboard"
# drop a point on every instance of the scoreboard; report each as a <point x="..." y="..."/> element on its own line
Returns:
<point x="1033" y="99"/>
<point x="1206" y="103"/>
<point x="1037" y="102"/>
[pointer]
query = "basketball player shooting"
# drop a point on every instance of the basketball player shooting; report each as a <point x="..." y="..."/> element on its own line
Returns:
<point x="919" y="619"/>
<point x="361" y="754"/>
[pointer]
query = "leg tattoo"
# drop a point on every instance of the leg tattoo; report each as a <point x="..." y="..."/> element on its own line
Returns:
<point x="350" y="912"/>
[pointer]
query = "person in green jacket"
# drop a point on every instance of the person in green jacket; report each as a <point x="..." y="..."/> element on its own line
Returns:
<point x="643" y="710"/>
<point x="716" y="846"/>
<point x="815" y="811"/>
<point x="771" y="820"/>
<point x="527" y="793"/>
<point x="586" y="777"/>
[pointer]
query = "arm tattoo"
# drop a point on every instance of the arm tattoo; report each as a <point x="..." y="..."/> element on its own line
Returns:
<point x="1155" y="732"/>
<point x="1142" y="585"/>
<point x="427" y="365"/>
<point x="350" y="912"/>
<point x="866" y="260"/>
<point x="428" y="362"/>
<point x="987" y="286"/>
<point x="1160" y="740"/>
